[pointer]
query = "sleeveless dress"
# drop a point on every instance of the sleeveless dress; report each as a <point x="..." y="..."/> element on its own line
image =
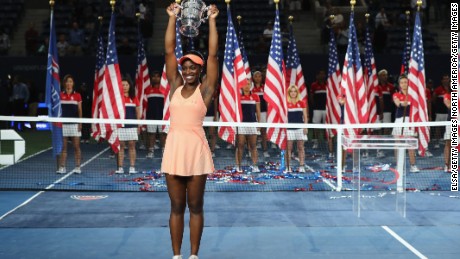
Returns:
<point x="187" y="152"/>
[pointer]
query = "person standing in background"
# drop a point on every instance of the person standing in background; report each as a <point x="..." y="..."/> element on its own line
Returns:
<point x="129" y="132"/>
<point x="258" y="81"/>
<point x="440" y="110"/>
<point x="318" y="103"/>
<point x="71" y="108"/>
<point x="155" y="104"/>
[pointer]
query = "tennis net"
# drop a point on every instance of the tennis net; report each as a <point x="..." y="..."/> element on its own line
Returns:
<point x="313" y="163"/>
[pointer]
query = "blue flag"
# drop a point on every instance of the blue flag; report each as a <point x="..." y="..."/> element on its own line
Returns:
<point x="53" y="88"/>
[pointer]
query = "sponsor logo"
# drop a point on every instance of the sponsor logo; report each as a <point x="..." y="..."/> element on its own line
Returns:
<point x="88" y="197"/>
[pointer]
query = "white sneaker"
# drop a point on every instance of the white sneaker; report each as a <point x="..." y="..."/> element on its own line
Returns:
<point x="380" y="154"/>
<point x="301" y="169"/>
<point x="365" y="154"/>
<point x="193" y="257"/>
<point x="177" y="257"/>
<point x="238" y="169"/>
<point x="120" y="170"/>
<point x="428" y="153"/>
<point x="149" y="155"/>
<point x="308" y="168"/>
<point x="331" y="155"/>
<point x="156" y="146"/>
<point x="77" y="170"/>
<point x="132" y="170"/>
<point x="446" y="169"/>
<point x="344" y="169"/>
<point x="216" y="147"/>
<point x="229" y="146"/>
<point x="288" y="170"/>
<point x="266" y="154"/>
<point x="255" y="169"/>
<point x="315" y="145"/>
<point x="61" y="170"/>
<point x="414" y="169"/>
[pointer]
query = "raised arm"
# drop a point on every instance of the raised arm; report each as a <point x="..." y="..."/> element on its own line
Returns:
<point x="172" y="71"/>
<point x="212" y="72"/>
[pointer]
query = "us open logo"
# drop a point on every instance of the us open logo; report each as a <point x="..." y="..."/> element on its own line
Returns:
<point x="88" y="197"/>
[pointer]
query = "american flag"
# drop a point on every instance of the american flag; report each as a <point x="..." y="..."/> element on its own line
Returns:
<point x="233" y="79"/>
<point x="416" y="91"/>
<point x="53" y="88"/>
<point x="294" y="74"/>
<point x="112" y="105"/>
<point x="275" y="88"/>
<point x="406" y="51"/>
<point x="97" y="88"/>
<point x="247" y="68"/>
<point x="164" y="85"/>
<point x="142" y="75"/>
<point x="370" y="75"/>
<point x="352" y="84"/>
<point x="333" y="110"/>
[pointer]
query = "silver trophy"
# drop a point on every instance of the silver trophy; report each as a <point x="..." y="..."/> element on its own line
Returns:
<point x="193" y="13"/>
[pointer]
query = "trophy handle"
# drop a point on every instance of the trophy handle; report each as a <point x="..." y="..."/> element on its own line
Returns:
<point x="205" y="11"/>
<point x="178" y="13"/>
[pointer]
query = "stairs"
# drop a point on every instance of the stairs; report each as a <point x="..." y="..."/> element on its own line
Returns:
<point x="157" y="43"/>
<point x="36" y="16"/>
<point x="306" y="33"/>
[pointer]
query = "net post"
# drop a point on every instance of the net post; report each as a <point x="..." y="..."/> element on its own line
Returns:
<point x="339" y="159"/>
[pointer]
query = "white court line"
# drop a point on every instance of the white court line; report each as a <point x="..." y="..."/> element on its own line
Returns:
<point x="329" y="183"/>
<point x="50" y="186"/>
<point x="404" y="242"/>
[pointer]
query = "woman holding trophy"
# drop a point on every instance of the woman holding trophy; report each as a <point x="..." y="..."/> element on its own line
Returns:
<point x="187" y="158"/>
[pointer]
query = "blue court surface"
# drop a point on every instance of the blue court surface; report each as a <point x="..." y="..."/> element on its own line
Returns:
<point x="318" y="224"/>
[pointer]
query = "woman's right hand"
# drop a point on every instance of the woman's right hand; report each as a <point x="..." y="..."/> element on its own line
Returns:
<point x="173" y="9"/>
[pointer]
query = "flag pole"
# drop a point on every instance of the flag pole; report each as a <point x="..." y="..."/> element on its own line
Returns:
<point x="112" y="3"/>
<point x="51" y="2"/>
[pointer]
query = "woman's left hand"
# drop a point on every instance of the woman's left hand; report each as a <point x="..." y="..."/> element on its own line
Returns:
<point x="213" y="12"/>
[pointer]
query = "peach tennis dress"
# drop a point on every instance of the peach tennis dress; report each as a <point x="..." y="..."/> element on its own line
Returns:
<point x="187" y="152"/>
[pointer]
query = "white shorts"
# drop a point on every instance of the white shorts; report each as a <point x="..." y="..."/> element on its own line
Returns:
<point x="209" y="118"/>
<point x="296" y="135"/>
<point x="386" y="117"/>
<point x="127" y="134"/>
<point x="441" y="116"/>
<point x="319" y="116"/>
<point x="248" y="131"/>
<point x="377" y="121"/>
<point x="154" y="128"/>
<point x="447" y="133"/>
<point x="408" y="131"/>
<point x="70" y="130"/>
<point x="263" y="117"/>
